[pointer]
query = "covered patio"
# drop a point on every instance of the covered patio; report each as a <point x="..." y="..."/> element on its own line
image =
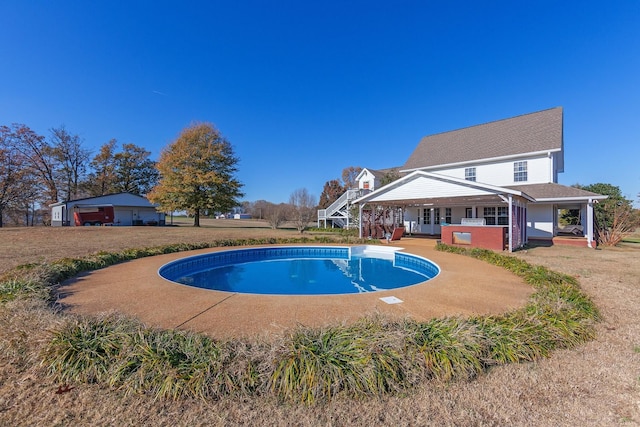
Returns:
<point x="461" y="212"/>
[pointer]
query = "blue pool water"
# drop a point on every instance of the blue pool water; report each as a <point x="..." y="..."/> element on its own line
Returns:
<point x="301" y="270"/>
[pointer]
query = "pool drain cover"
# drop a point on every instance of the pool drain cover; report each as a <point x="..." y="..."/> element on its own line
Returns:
<point x="391" y="300"/>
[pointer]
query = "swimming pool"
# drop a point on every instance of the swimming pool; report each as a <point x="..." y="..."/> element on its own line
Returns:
<point x="289" y="270"/>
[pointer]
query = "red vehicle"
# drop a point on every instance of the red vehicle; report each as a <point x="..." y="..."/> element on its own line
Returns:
<point x="98" y="215"/>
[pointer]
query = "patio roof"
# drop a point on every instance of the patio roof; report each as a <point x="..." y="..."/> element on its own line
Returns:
<point x="427" y="188"/>
<point x="552" y="192"/>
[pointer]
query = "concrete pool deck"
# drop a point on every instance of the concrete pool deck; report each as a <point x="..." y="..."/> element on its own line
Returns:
<point x="465" y="287"/>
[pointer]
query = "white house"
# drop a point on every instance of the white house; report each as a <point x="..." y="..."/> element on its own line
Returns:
<point x="465" y="184"/>
<point x="339" y="212"/>
<point x="127" y="208"/>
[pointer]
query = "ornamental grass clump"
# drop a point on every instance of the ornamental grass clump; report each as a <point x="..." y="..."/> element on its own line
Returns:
<point x="449" y="348"/>
<point x="25" y="281"/>
<point x="512" y="338"/>
<point x="86" y="349"/>
<point x="17" y="288"/>
<point x="359" y="360"/>
<point x="173" y="364"/>
<point x="165" y="364"/>
<point x="318" y="364"/>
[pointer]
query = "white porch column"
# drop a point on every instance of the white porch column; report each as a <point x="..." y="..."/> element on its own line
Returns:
<point x="590" y="223"/>
<point x="360" y="220"/>
<point x="432" y="220"/>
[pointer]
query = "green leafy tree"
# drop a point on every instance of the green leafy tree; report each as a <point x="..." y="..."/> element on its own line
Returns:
<point x="197" y="173"/>
<point x="129" y="170"/>
<point x="134" y="171"/>
<point x="103" y="178"/>
<point x="389" y="176"/>
<point x="615" y="217"/>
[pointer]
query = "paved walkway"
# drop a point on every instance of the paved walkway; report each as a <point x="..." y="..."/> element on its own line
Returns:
<point x="464" y="287"/>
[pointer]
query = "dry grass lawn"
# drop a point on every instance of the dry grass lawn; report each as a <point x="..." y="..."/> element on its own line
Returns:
<point x="597" y="384"/>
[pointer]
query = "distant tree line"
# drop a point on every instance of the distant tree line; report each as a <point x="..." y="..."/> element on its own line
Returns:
<point x="36" y="171"/>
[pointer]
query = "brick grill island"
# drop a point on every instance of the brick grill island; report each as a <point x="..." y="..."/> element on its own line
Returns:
<point x="492" y="237"/>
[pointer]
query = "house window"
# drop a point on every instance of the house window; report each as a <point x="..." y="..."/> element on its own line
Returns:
<point x="426" y="216"/>
<point x="520" y="171"/>
<point x="470" y="174"/>
<point x="499" y="215"/>
<point x="436" y="216"/>
<point x="503" y="215"/>
<point x="365" y="185"/>
<point x="447" y="215"/>
<point x="490" y="216"/>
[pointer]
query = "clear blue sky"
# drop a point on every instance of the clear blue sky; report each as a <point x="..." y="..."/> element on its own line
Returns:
<point x="303" y="89"/>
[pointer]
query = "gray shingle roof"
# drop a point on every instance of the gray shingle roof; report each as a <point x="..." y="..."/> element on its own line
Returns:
<point x="529" y="133"/>
<point x="554" y="191"/>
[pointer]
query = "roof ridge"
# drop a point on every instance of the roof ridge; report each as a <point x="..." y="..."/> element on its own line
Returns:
<point x="492" y="121"/>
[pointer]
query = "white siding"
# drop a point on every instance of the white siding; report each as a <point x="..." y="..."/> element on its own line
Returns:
<point x="123" y="217"/>
<point x="367" y="177"/>
<point x="540" y="221"/>
<point x="540" y="170"/>
<point x="423" y="187"/>
<point x="57" y="216"/>
<point x="147" y="214"/>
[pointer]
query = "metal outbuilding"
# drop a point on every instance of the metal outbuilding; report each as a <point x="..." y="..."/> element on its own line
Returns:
<point x="128" y="209"/>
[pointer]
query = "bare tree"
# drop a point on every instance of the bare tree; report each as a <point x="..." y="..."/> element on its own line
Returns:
<point x="274" y="214"/>
<point x="69" y="162"/>
<point x="303" y="208"/>
<point x="40" y="159"/>
<point x="12" y="172"/>
<point x="20" y="183"/>
<point x="349" y="175"/>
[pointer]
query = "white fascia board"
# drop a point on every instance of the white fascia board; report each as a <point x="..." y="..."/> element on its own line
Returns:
<point x="458" y="181"/>
<point x="481" y="161"/>
<point x="570" y="199"/>
<point x="362" y="172"/>
<point x="384" y="188"/>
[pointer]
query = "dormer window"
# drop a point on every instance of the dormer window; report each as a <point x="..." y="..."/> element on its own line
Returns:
<point x="365" y="185"/>
<point x="470" y="174"/>
<point x="520" y="171"/>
